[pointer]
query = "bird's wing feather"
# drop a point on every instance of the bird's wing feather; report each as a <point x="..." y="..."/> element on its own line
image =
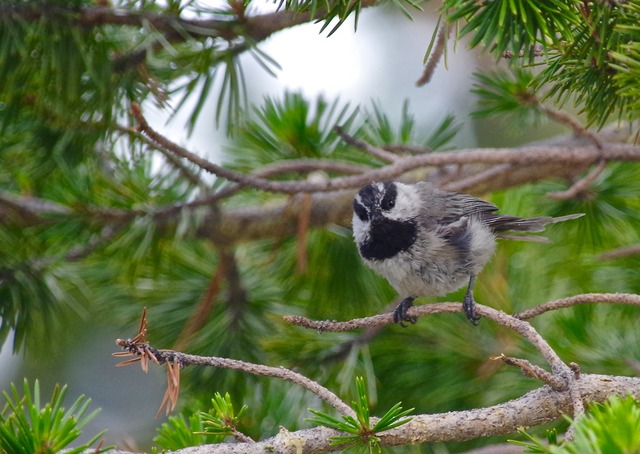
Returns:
<point x="447" y="207"/>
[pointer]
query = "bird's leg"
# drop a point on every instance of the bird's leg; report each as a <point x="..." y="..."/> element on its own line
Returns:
<point x="400" y="313"/>
<point x="468" y="303"/>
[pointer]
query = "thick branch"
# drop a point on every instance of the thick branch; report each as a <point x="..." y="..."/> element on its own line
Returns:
<point x="93" y="16"/>
<point x="534" y="408"/>
<point x="487" y="170"/>
<point x="174" y="27"/>
<point x="279" y="219"/>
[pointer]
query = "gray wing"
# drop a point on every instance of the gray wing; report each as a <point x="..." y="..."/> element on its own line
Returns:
<point x="446" y="211"/>
<point x="444" y="207"/>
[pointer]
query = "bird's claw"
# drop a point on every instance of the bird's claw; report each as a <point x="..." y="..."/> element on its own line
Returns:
<point x="469" y="306"/>
<point x="400" y="313"/>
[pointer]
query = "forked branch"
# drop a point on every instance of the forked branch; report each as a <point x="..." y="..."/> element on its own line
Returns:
<point x="566" y="390"/>
<point x="520" y="326"/>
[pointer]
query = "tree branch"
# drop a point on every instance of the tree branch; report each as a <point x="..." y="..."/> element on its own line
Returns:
<point x="144" y="350"/>
<point x="581" y="186"/>
<point x="566" y="390"/>
<point x="563" y="157"/>
<point x="587" y="298"/>
<point x="534" y="408"/>
<point x="577" y="156"/>
<point x="531" y="370"/>
<point x="620" y="252"/>
<point x="520" y="326"/>
<point x="174" y="27"/>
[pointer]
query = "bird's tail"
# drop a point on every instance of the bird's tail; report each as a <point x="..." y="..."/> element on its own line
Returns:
<point x="506" y="226"/>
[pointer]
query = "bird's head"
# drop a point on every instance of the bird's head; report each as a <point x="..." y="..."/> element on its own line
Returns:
<point x="382" y="205"/>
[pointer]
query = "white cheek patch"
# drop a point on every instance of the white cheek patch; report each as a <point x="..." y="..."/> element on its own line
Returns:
<point x="360" y="230"/>
<point x="407" y="204"/>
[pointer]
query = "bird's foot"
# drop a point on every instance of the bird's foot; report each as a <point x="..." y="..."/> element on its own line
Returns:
<point x="469" y="306"/>
<point x="400" y="313"/>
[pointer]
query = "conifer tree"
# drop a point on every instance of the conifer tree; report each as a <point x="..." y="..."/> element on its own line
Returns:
<point x="102" y="215"/>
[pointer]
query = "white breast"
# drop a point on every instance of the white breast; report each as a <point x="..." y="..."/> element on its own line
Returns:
<point x="432" y="267"/>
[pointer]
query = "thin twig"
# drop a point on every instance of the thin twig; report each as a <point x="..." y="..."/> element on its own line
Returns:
<point x="310" y="165"/>
<point x="183" y="359"/>
<point x="532" y="370"/>
<point x="558" y="382"/>
<point x="294" y="165"/>
<point x="620" y="252"/>
<point x="185" y="171"/>
<point x="587" y="298"/>
<point x="567" y="120"/>
<point x="480" y="177"/>
<point x="538" y="51"/>
<point x="580" y="186"/>
<point x="238" y="177"/>
<point x="435" y="57"/>
<point x="378" y="152"/>
<point x="407" y="148"/>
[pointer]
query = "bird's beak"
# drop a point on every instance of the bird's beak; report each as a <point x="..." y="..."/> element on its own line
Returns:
<point x="376" y="217"/>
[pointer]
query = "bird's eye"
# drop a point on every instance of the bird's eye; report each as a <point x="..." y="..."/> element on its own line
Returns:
<point x="360" y="211"/>
<point x="388" y="202"/>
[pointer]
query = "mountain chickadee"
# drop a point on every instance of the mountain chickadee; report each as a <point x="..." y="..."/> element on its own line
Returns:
<point x="430" y="242"/>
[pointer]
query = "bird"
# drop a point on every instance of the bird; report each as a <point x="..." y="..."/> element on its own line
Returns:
<point x="430" y="242"/>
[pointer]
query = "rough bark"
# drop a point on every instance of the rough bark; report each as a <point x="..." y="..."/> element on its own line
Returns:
<point x="534" y="408"/>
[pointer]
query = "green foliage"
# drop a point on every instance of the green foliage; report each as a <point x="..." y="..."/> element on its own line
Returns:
<point x="591" y="57"/>
<point x="178" y="433"/>
<point x="611" y="206"/>
<point x="40" y="287"/>
<point x="221" y="420"/>
<point x="528" y="274"/>
<point x="217" y="66"/>
<point x="581" y="69"/>
<point x="539" y="446"/>
<point x="335" y="13"/>
<point x="378" y="129"/>
<point x="71" y="73"/>
<point x="26" y="427"/>
<point x="607" y="428"/>
<point x="626" y="59"/>
<point x="297" y="128"/>
<point x="506" y="93"/>
<point x="362" y="436"/>
<point x="513" y="25"/>
<point x="291" y="128"/>
<point x="201" y="427"/>
<point x="60" y="86"/>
